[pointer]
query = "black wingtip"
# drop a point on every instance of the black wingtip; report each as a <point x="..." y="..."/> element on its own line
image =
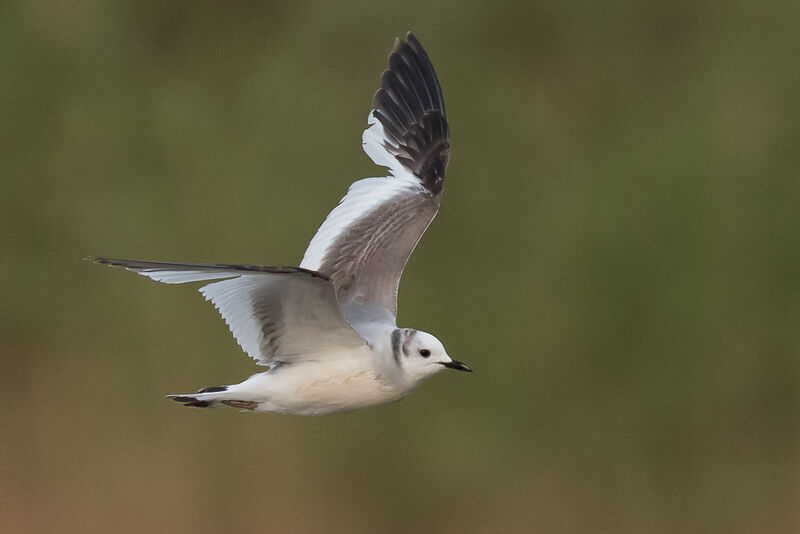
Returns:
<point x="138" y="265"/>
<point x="410" y="107"/>
<point x="106" y="261"/>
<point x="412" y="40"/>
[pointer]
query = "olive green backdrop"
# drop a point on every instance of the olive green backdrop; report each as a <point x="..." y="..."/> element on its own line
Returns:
<point x="617" y="256"/>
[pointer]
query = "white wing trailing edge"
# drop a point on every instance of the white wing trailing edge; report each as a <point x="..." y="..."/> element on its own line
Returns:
<point x="283" y="318"/>
<point x="372" y="140"/>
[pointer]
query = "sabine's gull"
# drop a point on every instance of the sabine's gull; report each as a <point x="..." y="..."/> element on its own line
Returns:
<point x="327" y="329"/>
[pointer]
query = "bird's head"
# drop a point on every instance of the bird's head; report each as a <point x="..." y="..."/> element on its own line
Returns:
<point x="421" y="355"/>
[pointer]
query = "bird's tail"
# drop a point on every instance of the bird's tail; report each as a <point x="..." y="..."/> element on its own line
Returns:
<point x="214" y="397"/>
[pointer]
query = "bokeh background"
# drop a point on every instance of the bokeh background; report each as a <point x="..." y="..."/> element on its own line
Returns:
<point x="617" y="257"/>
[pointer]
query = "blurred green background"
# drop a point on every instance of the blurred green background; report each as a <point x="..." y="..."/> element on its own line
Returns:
<point x="616" y="256"/>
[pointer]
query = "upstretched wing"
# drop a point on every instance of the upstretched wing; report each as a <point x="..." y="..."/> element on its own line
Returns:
<point x="365" y="242"/>
<point x="276" y="314"/>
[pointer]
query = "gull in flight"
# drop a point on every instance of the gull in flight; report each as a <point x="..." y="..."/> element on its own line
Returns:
<point x="327" y="329"/>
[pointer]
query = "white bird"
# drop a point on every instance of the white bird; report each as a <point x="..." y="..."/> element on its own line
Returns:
<point x="327" y="329"/>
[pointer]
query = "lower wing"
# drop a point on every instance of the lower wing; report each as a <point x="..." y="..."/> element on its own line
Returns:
<point x="276" y="314"/>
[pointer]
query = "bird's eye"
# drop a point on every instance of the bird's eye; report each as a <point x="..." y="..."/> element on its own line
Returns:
<point x="424" y="353"/>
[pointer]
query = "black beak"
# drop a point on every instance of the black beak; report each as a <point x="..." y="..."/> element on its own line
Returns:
<point x="457" y="365"/>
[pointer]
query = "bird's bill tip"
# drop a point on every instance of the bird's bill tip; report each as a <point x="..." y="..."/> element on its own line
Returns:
<point x="457" y="365"/>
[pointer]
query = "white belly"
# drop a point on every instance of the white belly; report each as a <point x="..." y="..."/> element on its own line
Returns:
<point x="319" y="388"/>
